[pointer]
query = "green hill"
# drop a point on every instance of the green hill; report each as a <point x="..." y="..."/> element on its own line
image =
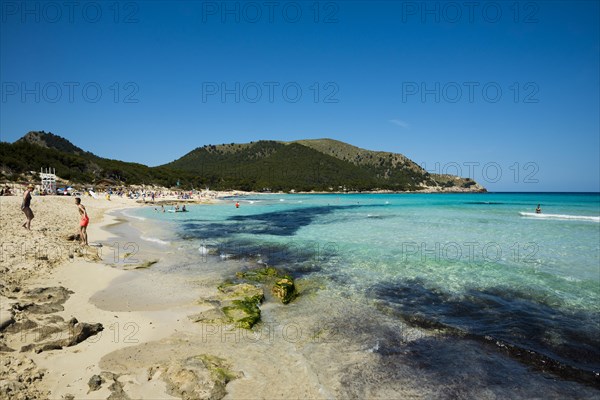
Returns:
<point x="38" y="150"/>
<point x="303" y="165"/>
<point x="274" y="166"/>
<point x="321" y="164"/>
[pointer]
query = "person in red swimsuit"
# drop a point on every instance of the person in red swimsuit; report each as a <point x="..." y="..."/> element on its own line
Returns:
<point x="84" y="222"/>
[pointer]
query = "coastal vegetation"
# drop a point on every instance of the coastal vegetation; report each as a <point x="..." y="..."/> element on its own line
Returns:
<point x="305" y="165"/>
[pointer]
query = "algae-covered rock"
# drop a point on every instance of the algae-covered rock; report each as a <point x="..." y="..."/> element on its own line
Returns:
<point x="241" y="291"/>
<point x="199" y="377"/>
<point x="211" y="316"/>
<point x="227" y="283"/>
<point x="284" y="289"/>
<point x="235" y="304"/>
<point x="259" y="275"/>
<point x="243" y="313"/>
<point x="241" y="303"/>
<point x="283" y="285"/>
<point x="219" y="368"/>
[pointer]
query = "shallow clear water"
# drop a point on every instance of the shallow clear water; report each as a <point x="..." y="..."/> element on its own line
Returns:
<point x="468" y="264"/>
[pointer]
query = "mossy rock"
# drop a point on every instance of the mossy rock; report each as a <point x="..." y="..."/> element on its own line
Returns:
<point x="202" y="376"/>
<point x="285" y="290"/>
<point x="218" y="367"/>
<point x="243" y="313"/>
<point x="241" y="291"/>
<point x="212" y="316"/>
<point x="223" y="286"/>
<point x="265" y="274"/>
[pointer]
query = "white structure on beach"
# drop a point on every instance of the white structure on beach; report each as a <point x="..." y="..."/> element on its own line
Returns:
<point x="48" y="176"/>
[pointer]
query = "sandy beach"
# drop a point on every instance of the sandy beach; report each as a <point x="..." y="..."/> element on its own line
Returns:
<point x="65" y="275"/>
<point x="44" y="258"/>
<point x="59" y="341"/>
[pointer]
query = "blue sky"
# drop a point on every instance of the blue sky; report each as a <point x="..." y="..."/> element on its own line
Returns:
<point x="504" y="92"/>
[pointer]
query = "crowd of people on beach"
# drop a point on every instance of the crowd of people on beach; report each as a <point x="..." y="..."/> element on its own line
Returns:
<point x="5" y="191"/>
<point x="145" y="195"/>
<point x="130" y="193"/>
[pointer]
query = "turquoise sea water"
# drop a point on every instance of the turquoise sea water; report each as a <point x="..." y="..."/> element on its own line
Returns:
<point x="468" y="264"/>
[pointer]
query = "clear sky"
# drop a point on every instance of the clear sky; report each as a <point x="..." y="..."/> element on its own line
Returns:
<point x="504" y="92"/>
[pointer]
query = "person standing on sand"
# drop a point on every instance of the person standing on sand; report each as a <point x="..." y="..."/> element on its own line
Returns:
<point x="84" y="222"/>
<point x="25" y="207"/>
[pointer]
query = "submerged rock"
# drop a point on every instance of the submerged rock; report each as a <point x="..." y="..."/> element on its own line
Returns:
<point x="212" y="316"/>
<point x="236" y="304"/>
<point x="283" y="285"/>
<point x="243" y="313"/>
<point x="241" y="291"/>
<point x="265" y="274"/>
<point x="285" y="290"/>
<point x="198" y="377"/>
<point x="240" y="304"/>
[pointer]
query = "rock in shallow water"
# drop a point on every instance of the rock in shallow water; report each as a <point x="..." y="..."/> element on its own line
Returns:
<point x="265" y="274"/>
<point x="285" y="290"/>
<point x="236" y="304"/>
<point x="198" y="377"/>
<point x="243" y="313"/>
<point x="241" y="291"/>
<point x="240" y="304"/>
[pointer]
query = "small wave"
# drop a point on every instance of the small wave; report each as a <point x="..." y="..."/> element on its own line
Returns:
<point x="134" y="216"/>
<point x="203" y="250"/>
<point x="560" y="216"/>
<point x="155" y="240"/>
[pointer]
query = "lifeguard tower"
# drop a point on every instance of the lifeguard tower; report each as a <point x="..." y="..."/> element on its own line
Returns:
<point x="48" y="176"/>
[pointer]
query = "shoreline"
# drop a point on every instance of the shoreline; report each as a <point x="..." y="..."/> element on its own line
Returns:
<point x="142" y="344"/>
<point x="72" y="274"/>
<point x="139" y="353"/>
